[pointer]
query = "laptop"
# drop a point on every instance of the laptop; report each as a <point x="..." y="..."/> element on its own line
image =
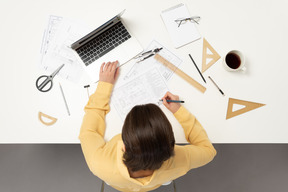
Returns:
<point x="110" y="42"/>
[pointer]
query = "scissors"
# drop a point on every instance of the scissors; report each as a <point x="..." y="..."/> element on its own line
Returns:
<point x="147" y="54"/>
<point x="48" y="80"/>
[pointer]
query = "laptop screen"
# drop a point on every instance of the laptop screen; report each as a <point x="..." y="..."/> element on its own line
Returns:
<point x="97" y="31"/>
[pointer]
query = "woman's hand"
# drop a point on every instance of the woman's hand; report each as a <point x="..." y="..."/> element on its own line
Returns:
<point x="173" y="107"/>
<point x="109" y="72"/>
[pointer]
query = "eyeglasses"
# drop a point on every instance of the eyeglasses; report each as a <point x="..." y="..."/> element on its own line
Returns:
<point x="182" y="21"/>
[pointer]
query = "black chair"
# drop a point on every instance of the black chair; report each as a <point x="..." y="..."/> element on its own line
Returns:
<point x="164" y="188"/>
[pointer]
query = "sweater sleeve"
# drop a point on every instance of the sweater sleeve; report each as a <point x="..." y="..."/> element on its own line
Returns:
<point x="200" y="151"/>
<point x="93" y="126"/>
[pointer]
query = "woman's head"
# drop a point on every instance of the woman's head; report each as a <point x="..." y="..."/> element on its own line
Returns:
<point x="148" y="138"/>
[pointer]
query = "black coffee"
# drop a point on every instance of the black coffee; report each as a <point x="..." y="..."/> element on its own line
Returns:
<point x="233" y="60"/>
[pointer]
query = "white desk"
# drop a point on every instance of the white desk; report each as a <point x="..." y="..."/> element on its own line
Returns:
<point x="258" y="28"/>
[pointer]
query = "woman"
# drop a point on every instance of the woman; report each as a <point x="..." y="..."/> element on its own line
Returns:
<point x="145" y="156"/>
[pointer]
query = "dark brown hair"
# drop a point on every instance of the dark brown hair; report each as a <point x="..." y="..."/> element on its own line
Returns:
<point x="148" y="138"/>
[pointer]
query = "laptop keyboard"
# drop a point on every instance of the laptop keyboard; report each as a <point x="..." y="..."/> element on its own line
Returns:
<point x="103" y="43"/>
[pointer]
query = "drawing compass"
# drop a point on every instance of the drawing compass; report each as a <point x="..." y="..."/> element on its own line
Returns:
<point x="147" y="54"/>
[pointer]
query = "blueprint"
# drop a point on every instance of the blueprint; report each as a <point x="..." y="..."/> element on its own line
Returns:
<point x="55" y="50"/>
<point x="151" y="62"/>
<point x="148" y="87"/>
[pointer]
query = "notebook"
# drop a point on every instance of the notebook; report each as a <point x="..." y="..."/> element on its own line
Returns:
<point x="110" y="42"/>
<point x="184" y="34"/>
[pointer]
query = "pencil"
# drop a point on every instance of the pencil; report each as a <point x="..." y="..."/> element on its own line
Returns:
<point x="173" y="101"/>
<point x="64" y="99"/>
<point x="216" y="85"/>
<point x="197" y="68"/>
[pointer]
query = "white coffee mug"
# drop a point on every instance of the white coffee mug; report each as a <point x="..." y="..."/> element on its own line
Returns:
<point x="234" y="61"/>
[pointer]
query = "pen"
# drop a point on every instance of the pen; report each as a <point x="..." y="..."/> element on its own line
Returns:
<point x="64" y="99"/>
<point x="173" y="101"/>
<point x="197" y="68"/>
<point x="216" y="85"/>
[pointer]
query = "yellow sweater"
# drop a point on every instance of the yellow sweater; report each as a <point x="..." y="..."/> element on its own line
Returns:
<point x="104" y="159"/>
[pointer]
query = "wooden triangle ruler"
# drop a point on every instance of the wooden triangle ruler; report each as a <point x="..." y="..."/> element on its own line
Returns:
<point x="214" y="56"/>
<point x="180" y="73"/>
<point x="53" y="119"/>
<point x="248" y="107"/>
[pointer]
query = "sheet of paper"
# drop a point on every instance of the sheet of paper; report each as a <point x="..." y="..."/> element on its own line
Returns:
<point x="145" y="88"/>
<point x="185" y="33"/>
<point x="149" y="63"/>
<point x="60" y="34"/>
<point x="49" y="33"/>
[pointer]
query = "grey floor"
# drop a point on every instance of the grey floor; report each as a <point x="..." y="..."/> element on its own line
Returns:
<point x="62" y="168"/>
